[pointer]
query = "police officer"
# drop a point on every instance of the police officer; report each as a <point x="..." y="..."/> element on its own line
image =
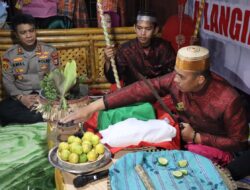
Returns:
<point x="23" y="67"/>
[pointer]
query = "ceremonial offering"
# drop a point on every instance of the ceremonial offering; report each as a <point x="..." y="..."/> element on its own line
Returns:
<point x="80" y="155"/>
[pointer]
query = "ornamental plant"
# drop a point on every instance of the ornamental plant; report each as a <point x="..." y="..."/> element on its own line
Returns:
<point x="58" y="85"/>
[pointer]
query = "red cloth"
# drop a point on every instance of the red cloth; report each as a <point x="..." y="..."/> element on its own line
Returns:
<point x="171" y="30"/>
<point x="216" y="111"/>
<point x="216" y="155"/>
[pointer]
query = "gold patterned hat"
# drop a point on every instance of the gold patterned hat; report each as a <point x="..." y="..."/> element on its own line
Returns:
<point x="193" y="58"/>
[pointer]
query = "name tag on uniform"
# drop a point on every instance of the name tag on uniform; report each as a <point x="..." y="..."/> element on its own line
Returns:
<point x="18" y="59"/>
<point x="19" y="70"/>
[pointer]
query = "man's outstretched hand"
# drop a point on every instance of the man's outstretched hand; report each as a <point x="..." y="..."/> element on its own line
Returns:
<point x="84" y="113"/>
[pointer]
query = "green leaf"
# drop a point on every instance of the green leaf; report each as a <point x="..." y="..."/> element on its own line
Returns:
<point x="58" y="79"/>
<point x="70" y="76"/>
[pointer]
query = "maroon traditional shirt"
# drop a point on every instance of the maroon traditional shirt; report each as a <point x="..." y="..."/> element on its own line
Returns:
<point x="216" y="111"/>
<point x="159" y="61"/>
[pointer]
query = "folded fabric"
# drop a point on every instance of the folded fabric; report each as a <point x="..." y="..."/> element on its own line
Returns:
<point x="133" y="131"/>
<point x="141" y="111"/>
<point x="216" y="155"/>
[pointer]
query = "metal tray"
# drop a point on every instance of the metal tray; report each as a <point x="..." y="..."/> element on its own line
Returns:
<point x="85" y="168"/>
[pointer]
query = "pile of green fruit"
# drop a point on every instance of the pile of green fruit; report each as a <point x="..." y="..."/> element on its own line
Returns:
<point x="81" y="150"/>
<point x="176" y="173"/>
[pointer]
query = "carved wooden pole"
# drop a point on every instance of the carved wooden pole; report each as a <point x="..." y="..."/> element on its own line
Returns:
<point x="197" y="25"/>
<point x="108" y="43"/>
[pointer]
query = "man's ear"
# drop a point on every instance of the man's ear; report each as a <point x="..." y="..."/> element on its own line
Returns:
<point x="201" y="79"/>
<point x="156" y="30"/>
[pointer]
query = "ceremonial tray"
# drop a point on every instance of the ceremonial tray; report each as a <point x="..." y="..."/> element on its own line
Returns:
<point x="83" y="168"/>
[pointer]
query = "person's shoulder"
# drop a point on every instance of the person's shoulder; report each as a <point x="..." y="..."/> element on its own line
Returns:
<point x="224" y="87"/>
<point x="11" y="49"/>
<point x="129" y="43"/>
<point x="47" y="46"/>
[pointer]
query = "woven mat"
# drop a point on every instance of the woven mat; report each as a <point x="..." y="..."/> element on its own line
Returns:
<point x="227" y="178"/>
<point x="105" y="185"/>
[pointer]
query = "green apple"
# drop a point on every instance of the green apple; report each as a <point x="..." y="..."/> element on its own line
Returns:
<point x="92" y="156"/>
<point x="95" y="140"/>
<point x="71" y="139"/>
<point x="87" y="135"/>
<point x="99" y="148"/>
<point x="63" y="146"/>
<point x="83" y="158"/>
<point x="64" y="155"/>
<point x="77" y="149"/>
<point x="86" y="147"/>
<point x="73" y="158"/>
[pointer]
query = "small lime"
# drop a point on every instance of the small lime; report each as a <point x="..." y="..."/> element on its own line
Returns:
<point x="162" y="161"/>
<point x="177" y="174"/>
<point x="182" y="163"/>
<point x="184" y="172"/>
<point x="83" y="158"/>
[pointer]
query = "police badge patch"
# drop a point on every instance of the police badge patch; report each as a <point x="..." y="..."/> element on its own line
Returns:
<point x="5" y="64"/>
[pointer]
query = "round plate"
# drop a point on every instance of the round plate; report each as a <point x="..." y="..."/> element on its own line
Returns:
<point x="53" y="159"/>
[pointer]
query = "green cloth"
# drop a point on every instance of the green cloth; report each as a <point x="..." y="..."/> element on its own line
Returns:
<point x="141" y="111"/>
<point x="24" y="158"/>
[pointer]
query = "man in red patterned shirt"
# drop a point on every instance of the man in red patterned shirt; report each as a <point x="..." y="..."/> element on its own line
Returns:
<point x="146" y="54"/>
<point x="214" y="119"/>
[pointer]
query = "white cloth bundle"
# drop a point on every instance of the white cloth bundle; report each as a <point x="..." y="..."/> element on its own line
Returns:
<point x="132" y="131"/>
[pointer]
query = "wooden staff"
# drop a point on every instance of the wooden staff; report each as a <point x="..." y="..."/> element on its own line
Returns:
<point x="197" y="25"/>
<point x="108" y="43"/>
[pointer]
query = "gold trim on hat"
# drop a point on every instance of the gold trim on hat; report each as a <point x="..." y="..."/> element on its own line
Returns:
<point x="195" y="65"/>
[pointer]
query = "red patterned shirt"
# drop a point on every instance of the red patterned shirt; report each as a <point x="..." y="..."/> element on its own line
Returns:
<point x="216" y="111"/>
<point x="159" y="61"/>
